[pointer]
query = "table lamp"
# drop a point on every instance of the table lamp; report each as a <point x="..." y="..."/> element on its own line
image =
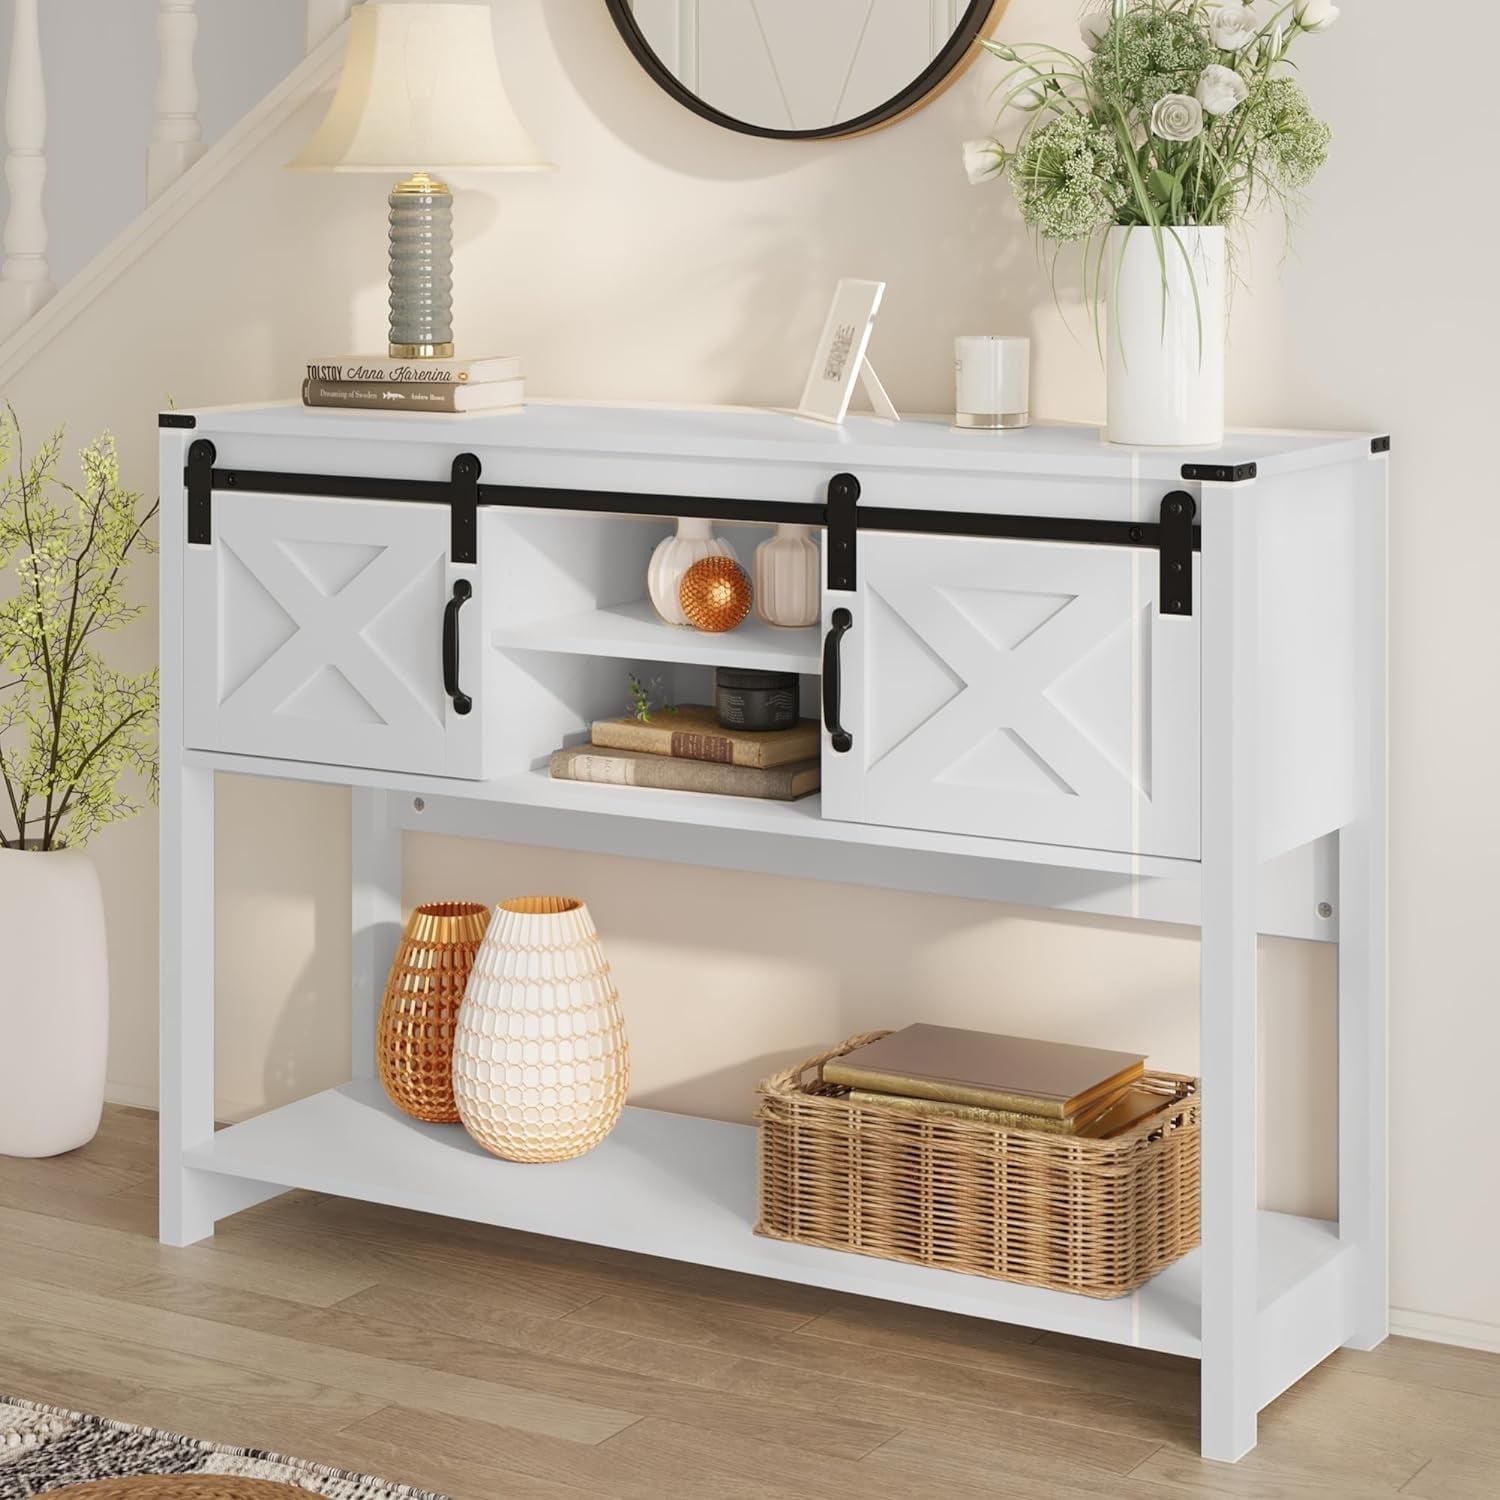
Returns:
<point x="420" y="95"/>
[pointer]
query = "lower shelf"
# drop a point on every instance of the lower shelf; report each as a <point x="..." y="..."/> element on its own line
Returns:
<point x="684" y="1188"/>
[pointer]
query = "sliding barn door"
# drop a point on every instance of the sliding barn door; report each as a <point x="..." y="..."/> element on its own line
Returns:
<point x="1018" y="690"/>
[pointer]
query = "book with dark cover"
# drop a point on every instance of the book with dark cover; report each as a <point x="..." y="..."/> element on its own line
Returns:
<point x="692" y="732"/>
<point x="380" y="395"/>
<point x="666" y="773"/>
<point x="993" y="1072"/>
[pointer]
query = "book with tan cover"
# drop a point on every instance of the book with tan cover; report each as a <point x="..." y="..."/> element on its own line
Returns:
<point x="692" y="731"/>
<point x="1108" y="1116"/>
<point x="1031" y="1077"/>
<point x="665" y="772"/>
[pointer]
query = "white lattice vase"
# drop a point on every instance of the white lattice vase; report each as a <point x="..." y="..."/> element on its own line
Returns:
<point x="54" y="1002"/>
<point x="694" y="540"/>
<point x="786" y="577"/>
<point x="540" y="1061"/>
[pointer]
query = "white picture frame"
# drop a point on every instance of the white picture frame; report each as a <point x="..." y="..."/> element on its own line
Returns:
<point x="840" y="357"/>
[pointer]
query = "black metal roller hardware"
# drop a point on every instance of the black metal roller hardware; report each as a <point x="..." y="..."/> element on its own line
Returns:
<point x="462" y="590"/>
<point x="841" y="739"/>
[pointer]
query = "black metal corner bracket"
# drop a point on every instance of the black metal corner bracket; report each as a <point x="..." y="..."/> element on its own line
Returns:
<point x="1175" y="546"/>
<point x="463" y="506"/>
<point x="842" y="534"/>
<point x="1380" y="444"/>
<point x="176" y="419"/>
<point x="200" y="492"/>
<point x="1219" y="473"/>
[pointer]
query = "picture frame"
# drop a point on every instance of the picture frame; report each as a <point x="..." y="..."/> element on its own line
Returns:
<point x="840" y="358"/>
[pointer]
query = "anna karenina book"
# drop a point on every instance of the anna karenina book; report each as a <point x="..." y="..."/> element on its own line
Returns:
<point x="372" y="367"/>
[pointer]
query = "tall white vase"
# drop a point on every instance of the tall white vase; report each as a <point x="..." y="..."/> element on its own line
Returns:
<point x="54" y="1002"/>
<point x="1166" y="337"/>
<point x="540" y="1061"/>
<point x="694" y="541"/>
<point x="786" y="577"/>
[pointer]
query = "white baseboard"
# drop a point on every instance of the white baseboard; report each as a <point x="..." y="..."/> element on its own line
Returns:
<point x="1467" y="1333"/>
<point x="226" y="1111"/>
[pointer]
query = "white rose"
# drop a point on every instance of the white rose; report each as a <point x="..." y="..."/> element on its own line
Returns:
<point x="1094" y="25"/>
<point x="1232" y="27"/>
<point x="983" y="159"/>
<point x="1316" y="15"/>
<point x="1177" y="117"/>
<point x="1221" y="90"/>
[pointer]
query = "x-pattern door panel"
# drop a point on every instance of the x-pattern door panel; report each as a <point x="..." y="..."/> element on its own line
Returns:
<point x="1017" y="690"/>
<point x="315" y="633"/>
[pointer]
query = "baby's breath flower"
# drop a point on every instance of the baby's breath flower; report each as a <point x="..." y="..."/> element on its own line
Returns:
<point x="1148" y="53"/>
<point x="1069" y="177"/>
<point x="1291" y="143"/>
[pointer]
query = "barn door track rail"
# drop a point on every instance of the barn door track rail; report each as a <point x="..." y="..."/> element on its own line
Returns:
<point x="1175" y="535"/>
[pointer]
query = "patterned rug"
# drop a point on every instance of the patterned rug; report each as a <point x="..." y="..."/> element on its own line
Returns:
<point x="47" y="1450"/>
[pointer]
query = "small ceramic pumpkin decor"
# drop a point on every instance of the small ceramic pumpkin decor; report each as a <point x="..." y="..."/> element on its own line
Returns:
<point x="716" y="594"/>
<point x="540" y="1062"/>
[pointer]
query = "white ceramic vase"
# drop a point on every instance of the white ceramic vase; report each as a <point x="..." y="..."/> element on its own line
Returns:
<point x="540" y="1061"/>
<point x="674" y="555"/>
<point x="1166" y="337"/>
<point x="786" y="577"/>
<point x="54" y="1002"/>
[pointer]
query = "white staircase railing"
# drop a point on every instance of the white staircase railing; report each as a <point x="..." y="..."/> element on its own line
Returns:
<point x="176" y="133"/>
<point x="176" y="137"/>
<point x="25" y="281"/>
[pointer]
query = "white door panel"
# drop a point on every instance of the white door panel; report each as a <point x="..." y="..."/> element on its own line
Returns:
<point x="1017" y="690"/>
<point x="315" y="633"/>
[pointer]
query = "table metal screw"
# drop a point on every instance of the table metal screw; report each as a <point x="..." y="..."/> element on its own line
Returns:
<point x="419" y="804"/>
<point x="1325" y="909"/>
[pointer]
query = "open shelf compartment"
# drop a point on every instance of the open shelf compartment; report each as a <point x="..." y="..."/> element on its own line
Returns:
<point x="684" y="1188"/>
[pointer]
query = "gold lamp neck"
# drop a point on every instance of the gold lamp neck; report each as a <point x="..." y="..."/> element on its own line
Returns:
<point x="420" y="184"/>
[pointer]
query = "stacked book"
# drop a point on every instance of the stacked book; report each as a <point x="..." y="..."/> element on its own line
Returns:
<point x="1011" y="1082"/>
<point x="371" y="382"/>
<point x="685" y="749"/>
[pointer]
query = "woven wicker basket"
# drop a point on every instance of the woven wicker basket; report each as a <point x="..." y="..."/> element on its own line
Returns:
<point x="1100" y="1217"/>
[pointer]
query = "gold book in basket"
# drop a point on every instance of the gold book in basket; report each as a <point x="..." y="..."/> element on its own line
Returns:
<point x="1098" y="1122"/>
<point x="1013" y="1073"/>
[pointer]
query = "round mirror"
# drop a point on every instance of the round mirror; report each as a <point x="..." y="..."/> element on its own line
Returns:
<point x="803" y="69"/>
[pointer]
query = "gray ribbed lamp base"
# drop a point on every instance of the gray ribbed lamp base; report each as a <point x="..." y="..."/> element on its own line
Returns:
<point x="421" y="269"/>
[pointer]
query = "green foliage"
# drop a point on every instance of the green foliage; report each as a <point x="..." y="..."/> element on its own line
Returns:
<point x="647" y="698"/>
<point x="71" y="726"/>
<point x="1202" y="123"/>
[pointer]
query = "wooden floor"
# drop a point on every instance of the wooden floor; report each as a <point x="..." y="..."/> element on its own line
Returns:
<point x="496" y="1366"/>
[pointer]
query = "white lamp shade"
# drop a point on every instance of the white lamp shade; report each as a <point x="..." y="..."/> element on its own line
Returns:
<point x="420" y="91"/>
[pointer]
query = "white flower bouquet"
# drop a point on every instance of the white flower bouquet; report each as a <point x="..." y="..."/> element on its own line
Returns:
<point x="1182" y="113"/>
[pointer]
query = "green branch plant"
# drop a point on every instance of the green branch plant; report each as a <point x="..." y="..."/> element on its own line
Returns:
<point x="1182" y="113"/>
<point x="74" y="731"/>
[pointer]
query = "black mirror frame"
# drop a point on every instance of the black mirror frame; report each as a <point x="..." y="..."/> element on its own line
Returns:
<point x="960" y="49"/>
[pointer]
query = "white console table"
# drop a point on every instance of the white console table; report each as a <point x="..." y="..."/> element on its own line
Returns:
<point x="1141" y="683"/>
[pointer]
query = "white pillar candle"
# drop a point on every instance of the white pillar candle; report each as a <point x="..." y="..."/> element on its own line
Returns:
<point x="993" y="375"/>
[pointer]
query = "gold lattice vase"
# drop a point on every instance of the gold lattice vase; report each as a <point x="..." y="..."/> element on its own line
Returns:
<point x="419" y="1011"/>
<point x="540" y="1061"/>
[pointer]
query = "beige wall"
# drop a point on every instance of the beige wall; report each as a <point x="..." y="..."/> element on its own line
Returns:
<point x="669" y="260"/>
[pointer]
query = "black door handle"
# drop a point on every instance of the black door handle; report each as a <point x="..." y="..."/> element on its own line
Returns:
<point x="462" y="703"/>
<point x="842" y="740"/>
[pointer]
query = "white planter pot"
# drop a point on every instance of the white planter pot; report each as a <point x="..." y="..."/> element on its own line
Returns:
<point x="673" y="557"/>
<point x="1166" y="337"/>
<point x="54" y="1002"/>
<point x="786" y="577"/>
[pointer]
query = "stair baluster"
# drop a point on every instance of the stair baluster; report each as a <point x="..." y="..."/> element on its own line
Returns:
<point x="176" y="132"/>
<point x="25" y="281"/>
